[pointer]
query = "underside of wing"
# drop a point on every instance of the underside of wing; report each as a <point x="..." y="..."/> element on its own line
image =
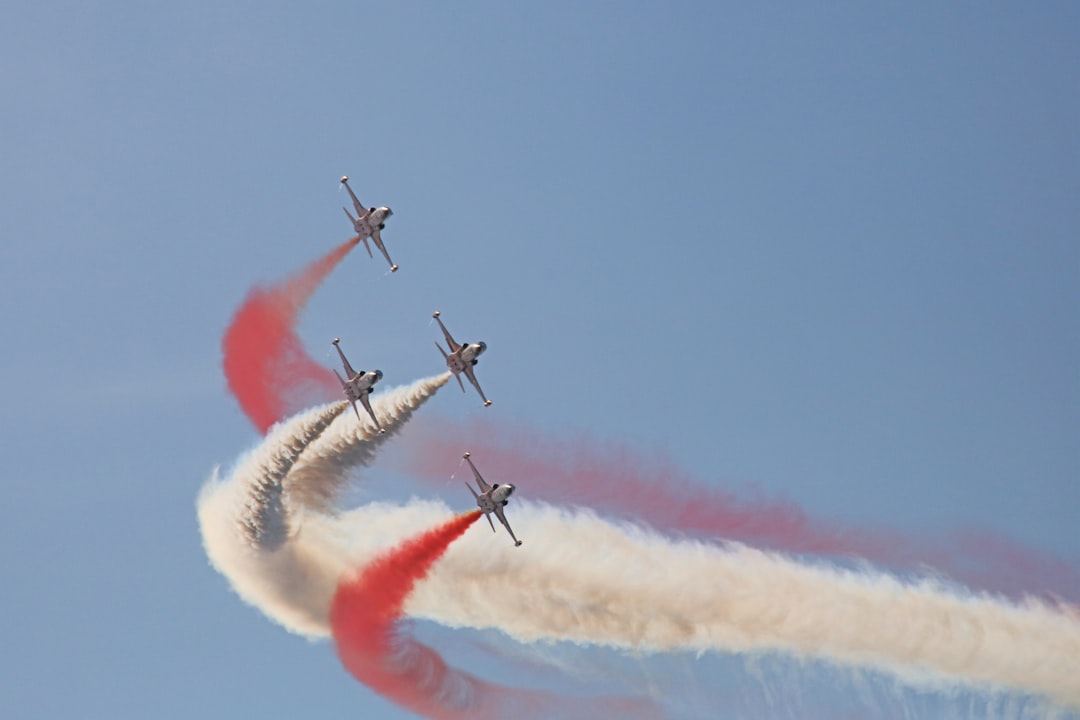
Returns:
<point x="377" y="237"/>
<point x="484" y="487"/>
<point x="472" y="378"/>
<point x="366" y="402"/>
<point x="349" y="372"/>
<point x="502" y="519"/>
<point x="360" y="210"/>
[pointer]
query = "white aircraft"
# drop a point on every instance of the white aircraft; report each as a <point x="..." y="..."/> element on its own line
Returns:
<point x="462" y="358"/>
<point x="358" y="385"/>
<point x="492" y="499"/>
<point x="369" y="223"/>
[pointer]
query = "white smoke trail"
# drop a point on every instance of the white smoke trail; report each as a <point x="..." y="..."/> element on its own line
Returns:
<point x="255" y="522"/>
<point x="583" y="579"/>
<point x="586" y="580"/>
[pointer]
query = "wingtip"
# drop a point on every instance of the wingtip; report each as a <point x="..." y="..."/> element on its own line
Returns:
<point x="393" y="268"/>
<point x="467" y="455"/>
<point x="517" y="544"/>
<point x="344" y="178"/>
<point x="335" y="341"/>
<point x="487" y="403"/>
<point x="436" y="314"/>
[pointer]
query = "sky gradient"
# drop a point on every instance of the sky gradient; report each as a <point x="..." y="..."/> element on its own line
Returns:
<point x="827" y="256"/>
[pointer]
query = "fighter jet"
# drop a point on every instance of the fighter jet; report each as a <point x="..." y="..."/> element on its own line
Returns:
<point x="492" y="499"/>
<point x="462" y="358"/>
<point x="358" y="385"/>
<point x="368" y="223"/>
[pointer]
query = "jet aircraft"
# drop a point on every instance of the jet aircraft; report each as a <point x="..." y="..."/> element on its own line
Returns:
<point x="358" y="385"/>
<point x="369" y="223"/>
<point x="462" y="358"/>
<point x="491" y="499"/>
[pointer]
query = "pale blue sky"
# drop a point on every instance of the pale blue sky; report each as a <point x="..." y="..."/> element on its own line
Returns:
<point x="831" y="254"/>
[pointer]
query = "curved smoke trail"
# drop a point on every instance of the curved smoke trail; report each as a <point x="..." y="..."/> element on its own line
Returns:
<point x="257" y="524"/>
<point x="263" y="529"/>
<point x="265" y="363"/>
<point x="379" y="652"/>
<point x="270" y="374"/>
<point x="619" y="481"/>
<point x="587" y="580"/>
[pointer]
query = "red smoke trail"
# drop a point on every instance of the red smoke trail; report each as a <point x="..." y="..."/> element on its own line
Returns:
<point x="375" y="650"/>
<point x="266" y="366"/>
<point x="621" y="482"/>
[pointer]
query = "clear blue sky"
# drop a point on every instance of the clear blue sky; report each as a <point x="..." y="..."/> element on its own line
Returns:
<point x="831" y="254"/>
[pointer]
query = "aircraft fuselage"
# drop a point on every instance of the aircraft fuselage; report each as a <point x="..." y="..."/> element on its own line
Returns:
<point x="467" y="355"/>
<point x="363" y="385"/>
<point x="498" y="495"/>
<point x="366" y="226"/>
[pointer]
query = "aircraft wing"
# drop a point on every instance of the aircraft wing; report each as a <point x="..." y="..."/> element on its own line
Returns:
<point x="502" y="519"/>
<point x="454" y="347"/>
<point x="367" y="406"/>
<point x="377" y="237"/>
<point x="472" y="378"/>
<point x="484" y="487"/>
<point x="356" y="203"/>
<point x="353" y="403"/>
<point x="349" y="372"/>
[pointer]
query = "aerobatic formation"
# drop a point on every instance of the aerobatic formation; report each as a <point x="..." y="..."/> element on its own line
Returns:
<point x="754" y="585"/>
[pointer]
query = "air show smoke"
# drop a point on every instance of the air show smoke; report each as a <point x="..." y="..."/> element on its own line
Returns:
<point x="363" y="614"/>
<point x="591" y="581"/>
<point x="258" y="523"/>
<point x="271" y="375"/>
<point x="620" y="481"/>
<point x="271" y="526"/>
<point x="378" y="651"/>
<point x="265" y="363"/>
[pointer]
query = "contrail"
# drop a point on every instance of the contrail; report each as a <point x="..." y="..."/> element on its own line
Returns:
<point x="619" y="481"/>
<point x="265" y="363"/>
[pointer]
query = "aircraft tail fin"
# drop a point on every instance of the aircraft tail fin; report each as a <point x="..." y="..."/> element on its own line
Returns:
<point x="490" y="521"/>
<point x="340" y="380"/>
<point x="475" y="496"/>
<point x="444" y="355"/>
<point x="368" y="248"/>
